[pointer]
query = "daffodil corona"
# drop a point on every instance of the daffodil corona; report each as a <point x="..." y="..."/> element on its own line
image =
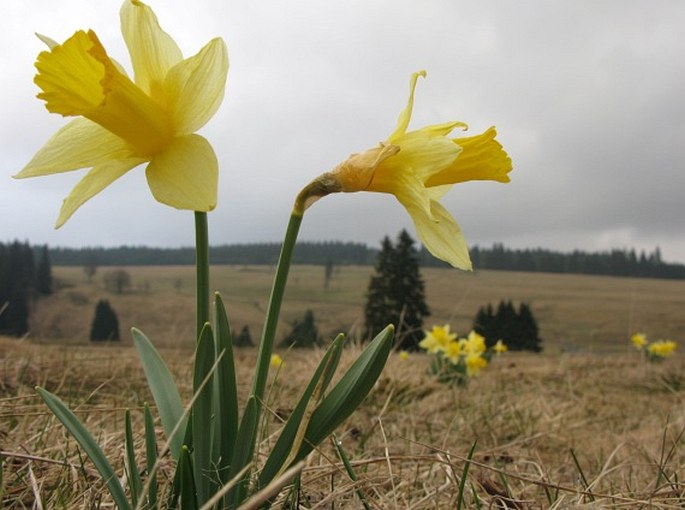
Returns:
<point x="122" y="123"/>
<point x="418" y="168"/>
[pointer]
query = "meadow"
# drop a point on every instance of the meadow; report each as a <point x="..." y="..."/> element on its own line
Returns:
<point x="589" y="423"/>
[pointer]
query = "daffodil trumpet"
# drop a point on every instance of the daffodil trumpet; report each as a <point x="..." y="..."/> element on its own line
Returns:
<point x="122" y="123"/>
<point x="418" y="168"/>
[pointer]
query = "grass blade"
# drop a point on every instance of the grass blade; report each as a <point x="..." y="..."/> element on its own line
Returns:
<point x="132" y="473"/>
<point x="349" y="469"/>
<point x="201" y="415"/>
<point x="462" y="483"/>
<point x="164" y="391"/>
<point x="349" y="392"/>
<point x="86" y="441"/>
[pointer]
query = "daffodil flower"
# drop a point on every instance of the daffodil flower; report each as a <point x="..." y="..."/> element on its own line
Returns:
<point x="437" y="339"/>
<point x="418" y="168"/>
<point x="122" y="123"/>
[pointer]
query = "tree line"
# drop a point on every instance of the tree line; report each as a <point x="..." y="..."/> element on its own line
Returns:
<point x="608" y="263"/>
<point x="22" y="280"/>
<point x="498" y="257"/>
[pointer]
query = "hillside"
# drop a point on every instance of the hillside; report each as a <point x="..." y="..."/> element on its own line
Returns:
<point x="574" y="312"/>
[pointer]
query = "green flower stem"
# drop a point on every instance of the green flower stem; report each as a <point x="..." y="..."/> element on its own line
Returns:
<point x="267" y="342"/>
<point x="201" y="271"/>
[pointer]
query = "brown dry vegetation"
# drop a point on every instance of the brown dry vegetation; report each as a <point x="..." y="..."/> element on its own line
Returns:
<point x="574" y="312"/>
<point x="622" y="418"/>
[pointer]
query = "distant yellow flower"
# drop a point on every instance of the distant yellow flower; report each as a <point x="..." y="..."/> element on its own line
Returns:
<point x="123" y="123"/>
<point x="662" y="348"/>
<point x="418" y="168"/>
<point x="639" y="340"/>
<point x="474" y="363"/>
<point x="454" y="351"/>
<point x="403" y="355"/>
<point x="276" y="361"/>
<point x="475" y="343"/>
<point x="436" y="339"/>
<point x="500" y="347"/>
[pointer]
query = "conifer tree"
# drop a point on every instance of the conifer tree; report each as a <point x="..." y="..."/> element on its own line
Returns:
<point x="396" y="293"/>
<point x="303" y="334"/>
<point x="44" y="273"/>
<point x="528" y="329"/>
<point x="105" y="325"/>
<point x="244" y="338"/>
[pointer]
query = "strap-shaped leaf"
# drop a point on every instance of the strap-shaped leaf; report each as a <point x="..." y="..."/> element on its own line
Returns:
<point x="286" y="441"/>
<point x="350" y="391"/>
<point x="226" y="394"/>
<point x="202" y="414"/>
<point x="150" y="457"/>
<point x="164" y="391"/>
<point x="244" y="449"/>
<point x="86" y="441"/>
<point x="187" y="483"/>
<point x="132" y="473"/>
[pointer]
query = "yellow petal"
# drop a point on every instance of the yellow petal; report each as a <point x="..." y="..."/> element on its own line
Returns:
<point x="78" y="78"/>
<point x="49" y="42"/>
<point x="185" y="175"/>
<point x="405" y="116"/>
<point x="423" y="155"/>
<point x="408" y="189"/>
<point x="440" y="234"/>
<point x="93" y="183"/>
<point x="482" y="158"/>
<point x="153" y="51"/>
<point x="195" y="87"/>
<point x="79" y="144"/>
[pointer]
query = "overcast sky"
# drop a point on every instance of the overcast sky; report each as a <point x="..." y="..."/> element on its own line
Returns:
<point x="588" y="98"/>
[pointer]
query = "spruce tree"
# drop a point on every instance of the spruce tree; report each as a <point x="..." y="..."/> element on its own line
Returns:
<point x="44" y="273"/>
<point x="396" y="293"/>
<point x="528" y="329"/>
<point x="303" y="334"/>
<point x="105" y="325"/>
<point x="244" y="338"/>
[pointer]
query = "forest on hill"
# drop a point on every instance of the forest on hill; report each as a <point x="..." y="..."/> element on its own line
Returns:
<point x="618" y="262"/>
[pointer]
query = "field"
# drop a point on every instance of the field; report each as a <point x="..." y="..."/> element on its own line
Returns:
<point x="587" y="424"/>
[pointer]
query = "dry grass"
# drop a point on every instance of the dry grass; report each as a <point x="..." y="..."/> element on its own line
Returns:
<point x="622" y="418"/>
<point x="574" y="312"/>
<point x="597" y="428"/>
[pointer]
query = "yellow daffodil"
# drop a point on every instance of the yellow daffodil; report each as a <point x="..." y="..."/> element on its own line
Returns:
<point x="475" y="343"/>
<point x="454" y="351"/>
<point x="403" y="355"/>
<point x="499" y="347"/>
<point x="639" y="340"/>
<point x="276" y="361"/>
<point x="436" y="339"/>
<point x="474" y="363"/>
<point x="662" y="348"/>
<point x="418" y="168"/>
<point x="122" y="123"/>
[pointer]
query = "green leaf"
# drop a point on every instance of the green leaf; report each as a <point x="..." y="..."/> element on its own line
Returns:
<point x="150" y="457"/>
<point x="132" y="473"/>
<point x="164" y="391"/>
<point x="187" y="482"/>
<point x="226" y="395"/>
<point x="286" y="441"/>
<point x="86" y="441"/>
<point x="202" y="414"/>
<point x="349" y="392"/>
<point x="244" y="449"/>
